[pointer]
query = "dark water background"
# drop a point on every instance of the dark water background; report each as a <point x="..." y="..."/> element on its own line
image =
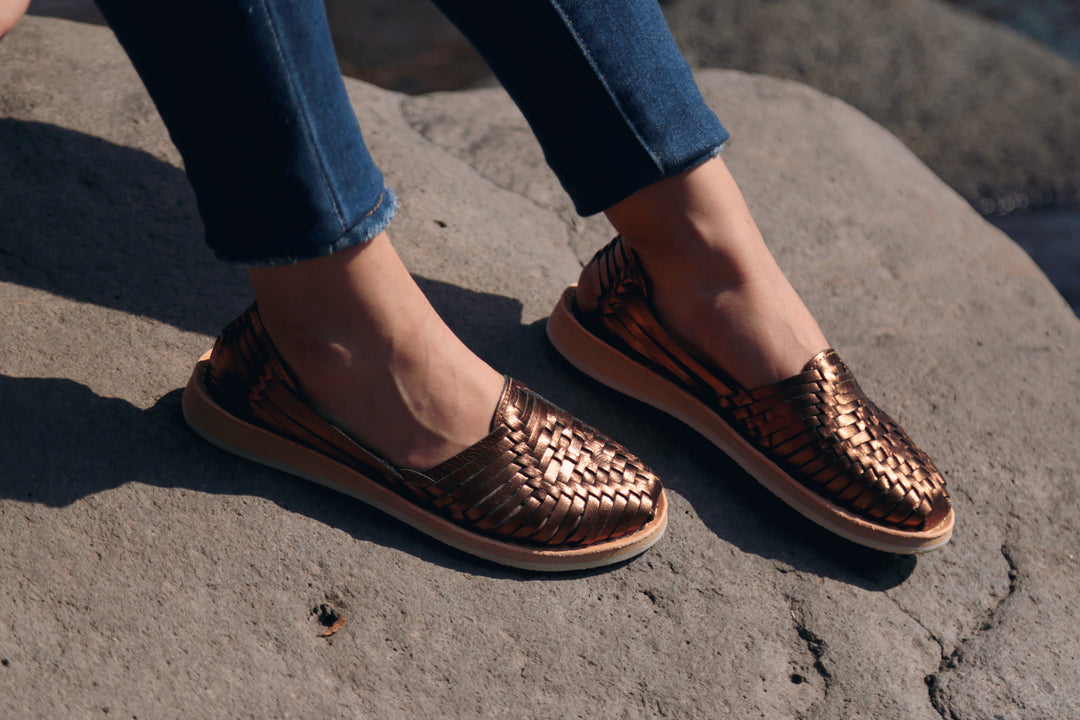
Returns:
<point x="1050" y="235"/>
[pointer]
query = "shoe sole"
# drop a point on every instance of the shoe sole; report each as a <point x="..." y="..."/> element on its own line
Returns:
<point x="604" y="363"/>
<point x="228" y="432"/>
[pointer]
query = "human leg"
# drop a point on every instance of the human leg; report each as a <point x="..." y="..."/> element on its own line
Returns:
<point x="253" y="99"/>
<point x="250" y="93"/>
<point x="716" y="287"/>
<point x="688" y="310"/>
<point x="623" y="125"/>
<point x="603" y="86"/>
<point x="360" y="332"/>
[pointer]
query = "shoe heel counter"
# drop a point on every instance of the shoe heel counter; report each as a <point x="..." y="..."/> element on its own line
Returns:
<point x="589" y="287"/>
<point x="612" y="266"/>
<point x="235" y="362"/>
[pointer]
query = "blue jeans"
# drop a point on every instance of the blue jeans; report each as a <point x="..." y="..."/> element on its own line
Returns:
<point x="252" y="96"/>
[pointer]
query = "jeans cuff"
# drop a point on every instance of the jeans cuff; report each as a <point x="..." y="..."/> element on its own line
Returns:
<point x="374" y="222"/>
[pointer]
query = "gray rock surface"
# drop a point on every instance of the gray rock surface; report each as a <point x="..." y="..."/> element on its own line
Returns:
<point x="990" y="111"/>
<point x="146" y="574"/>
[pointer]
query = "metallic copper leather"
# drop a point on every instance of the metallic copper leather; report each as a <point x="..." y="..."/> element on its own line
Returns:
<point x="540" y="477"/>
<point x="818" y="426"/>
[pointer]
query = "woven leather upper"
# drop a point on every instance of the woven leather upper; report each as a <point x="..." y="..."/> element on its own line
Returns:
<point x="540" y="477"/>
<point x="818" y="426"/>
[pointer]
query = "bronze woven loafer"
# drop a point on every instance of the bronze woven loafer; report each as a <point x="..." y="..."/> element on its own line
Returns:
<point x="542" y="491"/>
<point x="815" y="440"/>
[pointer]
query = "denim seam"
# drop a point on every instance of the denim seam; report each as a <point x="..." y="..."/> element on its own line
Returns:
<point x="607" y="88"/>
<point x="376" y="206"/>
<point x="302" y="104"/>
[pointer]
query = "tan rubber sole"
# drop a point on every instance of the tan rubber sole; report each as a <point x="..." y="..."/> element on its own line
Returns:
<point x="607" y="365"/>
<point x="230" y="433"/>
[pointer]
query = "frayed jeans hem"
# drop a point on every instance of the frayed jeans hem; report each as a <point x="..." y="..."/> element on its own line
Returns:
<point x="373" y="223"/>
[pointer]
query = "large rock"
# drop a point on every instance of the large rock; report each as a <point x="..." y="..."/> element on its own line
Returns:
<point x="148" y="574"/>
<point x="990" y="111"/>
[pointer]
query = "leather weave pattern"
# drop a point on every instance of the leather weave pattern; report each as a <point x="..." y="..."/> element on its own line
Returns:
<point x="540" y="477"/>
<point x="818" y="426"/>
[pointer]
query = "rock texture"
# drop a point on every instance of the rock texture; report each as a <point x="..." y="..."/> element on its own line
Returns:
<point x="990" y="111"/>
<point x="147" y="574"/>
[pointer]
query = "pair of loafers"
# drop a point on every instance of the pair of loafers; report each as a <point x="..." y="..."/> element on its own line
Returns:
<point x="544" y="491"/>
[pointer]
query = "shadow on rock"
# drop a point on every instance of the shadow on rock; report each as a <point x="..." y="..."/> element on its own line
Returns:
<point x="69" y="443"/>
<point x="116" y="227"/>
<point x="55" y="455"/>
<point x="104" y="224"/>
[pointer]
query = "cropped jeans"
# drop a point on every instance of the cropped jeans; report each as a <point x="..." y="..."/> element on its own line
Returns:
<point x="252" y="96"/>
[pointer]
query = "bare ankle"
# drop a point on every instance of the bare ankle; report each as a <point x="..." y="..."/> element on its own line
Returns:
<point x="373" y="356"/>
<point x="716" y="286"/>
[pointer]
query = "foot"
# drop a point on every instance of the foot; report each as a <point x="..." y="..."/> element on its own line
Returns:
<point x="715" y="286"/>
<point x="374" y="357"/>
